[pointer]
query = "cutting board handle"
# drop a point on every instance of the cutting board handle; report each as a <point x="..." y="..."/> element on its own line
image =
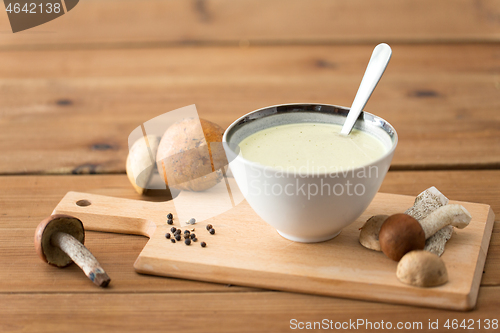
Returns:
<point x="108" y="214"/>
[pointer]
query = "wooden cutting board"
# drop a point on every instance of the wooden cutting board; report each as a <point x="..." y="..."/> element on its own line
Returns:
<point x="246" y="251"/>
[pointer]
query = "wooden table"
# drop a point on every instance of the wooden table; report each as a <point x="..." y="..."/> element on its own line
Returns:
<point x="73" y="89"/>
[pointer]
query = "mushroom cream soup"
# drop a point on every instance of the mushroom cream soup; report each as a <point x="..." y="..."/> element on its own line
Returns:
<point x="311" y="148"/>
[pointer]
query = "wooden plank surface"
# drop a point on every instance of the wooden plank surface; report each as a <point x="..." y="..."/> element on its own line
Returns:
<point x="118" y="22"/>
<point x="73" y="89"/>
<point x="219" y="312"/>
<point x="72" y="112"/>
<point x="137" y="302"/>
<point x="26" y="200"/>
<point x="340" y="267"/>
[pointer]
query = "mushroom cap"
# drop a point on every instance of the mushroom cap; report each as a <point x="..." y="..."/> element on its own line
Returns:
<point x="422" y="269"/>
<point x="368" y="237"/>
<point x="190" y="155"/>
<point x="49" y="226"/>
<point x="399" y="235"/>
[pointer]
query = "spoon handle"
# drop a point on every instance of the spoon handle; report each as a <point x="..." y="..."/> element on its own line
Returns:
<point x="376" y="67"/>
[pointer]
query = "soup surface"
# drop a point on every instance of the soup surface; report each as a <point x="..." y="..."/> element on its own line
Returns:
<point x="311" y="148"/>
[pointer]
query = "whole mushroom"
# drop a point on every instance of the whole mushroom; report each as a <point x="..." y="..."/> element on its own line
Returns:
<point x="59" y="241"/>
<point x="400" y="234"/>
<point x="190" y="155"/>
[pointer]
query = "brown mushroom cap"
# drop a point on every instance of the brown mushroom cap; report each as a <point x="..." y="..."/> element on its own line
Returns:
<point x="399" y="235"/>
<point x="422" y="269"/>
<point x="52" y="224"/>
<point x="190" y="154"/>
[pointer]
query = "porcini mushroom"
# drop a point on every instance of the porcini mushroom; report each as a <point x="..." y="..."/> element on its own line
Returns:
<point x="422" y="269"/>
<point x="438" y="228"/>
<point x="59" y="241"/>
<point x="424" y="204"/>
<point x="400" y="234"/>
<point x="190" y="155"/>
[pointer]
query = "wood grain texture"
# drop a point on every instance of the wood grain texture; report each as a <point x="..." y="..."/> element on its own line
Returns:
<point x="136" y="302"/>
<point x="26" y="200"/>
<point x="340" y="267"/>
<point x="118" y="22"/>
<point x="214" y="312"/>
<point x="72" y="112"/>
<point x="72" y="90"/>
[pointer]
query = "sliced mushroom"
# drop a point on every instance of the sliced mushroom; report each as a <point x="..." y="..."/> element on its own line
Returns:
<point x="369" y="235"/>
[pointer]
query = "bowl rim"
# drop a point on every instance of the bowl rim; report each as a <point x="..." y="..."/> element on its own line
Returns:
<point x="366" y="116"/>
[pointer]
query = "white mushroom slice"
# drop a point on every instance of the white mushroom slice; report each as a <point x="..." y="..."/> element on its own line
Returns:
<point x="436" y="243"/>
<point x="427" y="202"/>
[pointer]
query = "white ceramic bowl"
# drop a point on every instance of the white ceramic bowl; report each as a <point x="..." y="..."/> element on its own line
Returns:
<point x="304" y="207"/>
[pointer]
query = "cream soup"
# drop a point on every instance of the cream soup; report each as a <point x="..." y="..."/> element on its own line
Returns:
<point x="311" y="148"/>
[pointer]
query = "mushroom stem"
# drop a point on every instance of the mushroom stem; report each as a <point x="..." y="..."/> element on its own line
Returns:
<point x="455" y="215"/>
<point x="82" y="257"/>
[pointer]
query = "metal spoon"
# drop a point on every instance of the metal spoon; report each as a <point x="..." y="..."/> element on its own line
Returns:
<point x="376" y="67"/>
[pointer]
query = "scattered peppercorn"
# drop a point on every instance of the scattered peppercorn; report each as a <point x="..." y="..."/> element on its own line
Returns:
<point x="211" y="231"/>
<point x="187" y="241"/>
<point x="173" y="229"/>
<point x="194" y="239"/>
<point x="203" y="244"/>
<point x="186" y="232"/>
<point x="186" y="236"/>
<point x="177" y="232"/>
<point x="170" y="216"/>
<point x="209" y="226"/>
<point x="178" y="237"/>
<point x="167" y="235"/>
<point x="193" y="236"/>
<point x="172" y="240"/>
<point x="170" y="221"/>
<point x="192" y="221"/>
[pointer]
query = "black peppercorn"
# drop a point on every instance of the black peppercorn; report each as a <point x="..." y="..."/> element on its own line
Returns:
<point x="186" y="232"/>
<point x="187" y="241"/>
<point x="172" y="240"/>
<point x="170" y="221"/>
<point x="177" y="232"/>
<point x="203" y="244"/>
<point x="170" y="216"/>
<point x="167" y="235"/>
<point x="173" y="229"/>
<point x="193" y="236"/>
<point x="186" y="236"/>
<point x="178" y="237"/>
<point x="194" y="239"/>
<point x="209" y="226"/>
<point x="211" y="231"/>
